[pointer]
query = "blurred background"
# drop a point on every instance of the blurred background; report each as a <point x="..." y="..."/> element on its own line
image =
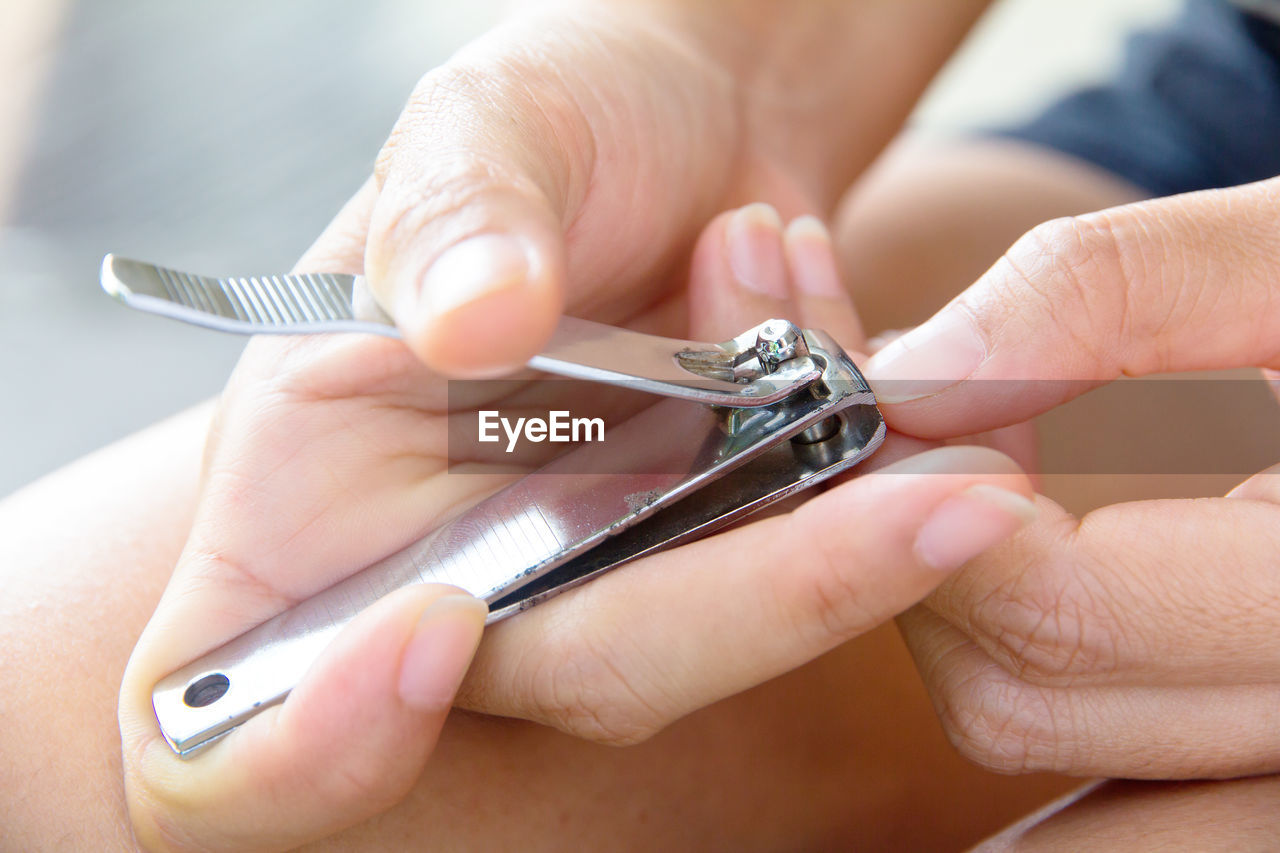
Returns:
<point x="222" y="137"/>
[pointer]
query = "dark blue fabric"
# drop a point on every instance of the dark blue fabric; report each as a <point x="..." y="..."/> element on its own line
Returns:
<point x="1196" y="105"/>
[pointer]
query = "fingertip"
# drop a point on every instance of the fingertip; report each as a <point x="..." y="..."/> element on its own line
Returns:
<point x="929" y="359"/>
<point x="1272" y="378"/>
<point x="820" y="296"/>
<point x="969" y="522"/>
<point x="961" y="501"/>
<point x="1263" y="486"/>
<point x="350" y="740"/>
<point x="361" y="672"/>
<point x="738" y="276"/>
<point x="491" y="336"/>
<point x="811" y="258"/>
<point x="755" y="253"/>
<point x="439" y="652"/>
<point x="710" y="279"/>
<point x="933" y="508"/>
<point x="485" y="306"/>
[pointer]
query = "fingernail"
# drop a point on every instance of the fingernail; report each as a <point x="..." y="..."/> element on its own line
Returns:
<point x="875" y="343"/>
<point x="438" y="654"/>
<point x="754" y="236"/>
<point x="966" y="524"/>
<point x="813" y="263"/>
<point x="1273" y="380"/>
<point x="474" y="268"/>
<point x="928" y="359"/>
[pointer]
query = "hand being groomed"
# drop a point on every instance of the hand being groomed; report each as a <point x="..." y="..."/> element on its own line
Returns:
<point x="329" y="453"/>
<point x="1143" y="640"/>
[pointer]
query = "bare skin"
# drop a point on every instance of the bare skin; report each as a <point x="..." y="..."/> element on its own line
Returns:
<point x="513" y="186"/>
<point x="909" y="240"/>
<point x="473" y="741"/>
<point x="826" y="761"/>
<point x="1180" y="817"/>
<point x="844" y="748"/>
<point x="1061" y="649"/>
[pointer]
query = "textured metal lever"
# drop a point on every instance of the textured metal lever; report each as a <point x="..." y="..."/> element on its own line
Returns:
<point x="725" y="374"/>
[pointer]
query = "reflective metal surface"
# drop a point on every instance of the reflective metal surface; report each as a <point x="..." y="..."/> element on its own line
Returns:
<point x="676" y="471"/>
<point x="727" y="374"/>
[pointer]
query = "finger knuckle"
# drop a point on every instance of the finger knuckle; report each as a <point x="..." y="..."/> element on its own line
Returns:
<point x="215" y="569"/>
<point x="579" y="689"/>
<point x="1049" y="629"/>
<point x="998" y="722"/>
<point x="504" y="117"/>
<point x="1075" y="253"/>
<point x="837" y="605"/>
<point x="1074" y="270"/>
<point x="452" y="92"/>
<point x="822" y="599"/>
<point x="458" y="183"/>
<point x="449" y="86"/>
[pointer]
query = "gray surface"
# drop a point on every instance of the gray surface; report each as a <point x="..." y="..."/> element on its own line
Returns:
<point x="217" y="137"/>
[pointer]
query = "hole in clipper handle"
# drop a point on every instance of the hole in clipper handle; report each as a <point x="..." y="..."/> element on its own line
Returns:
<point x="206" y="690"/>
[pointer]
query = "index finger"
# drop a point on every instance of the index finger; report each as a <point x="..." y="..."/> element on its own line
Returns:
<point x="642" y="646"/>
<point x="1185" y="283"/>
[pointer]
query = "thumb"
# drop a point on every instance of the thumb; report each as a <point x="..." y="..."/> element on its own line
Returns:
<point x="1183" y="283"/>
<point x="466" y="244"/>
<point x="347" y="743"/>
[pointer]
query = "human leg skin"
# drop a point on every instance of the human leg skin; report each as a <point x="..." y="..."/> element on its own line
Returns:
<point x="1131" y="817"/>
<point x="931" y="215"/>
<point x="844" y="750"/>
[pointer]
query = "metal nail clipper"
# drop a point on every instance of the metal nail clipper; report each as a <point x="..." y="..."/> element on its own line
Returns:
<point x="742" y="424"/>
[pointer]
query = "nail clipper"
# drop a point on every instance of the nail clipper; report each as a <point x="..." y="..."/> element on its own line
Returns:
<point x="739" y="425"/>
